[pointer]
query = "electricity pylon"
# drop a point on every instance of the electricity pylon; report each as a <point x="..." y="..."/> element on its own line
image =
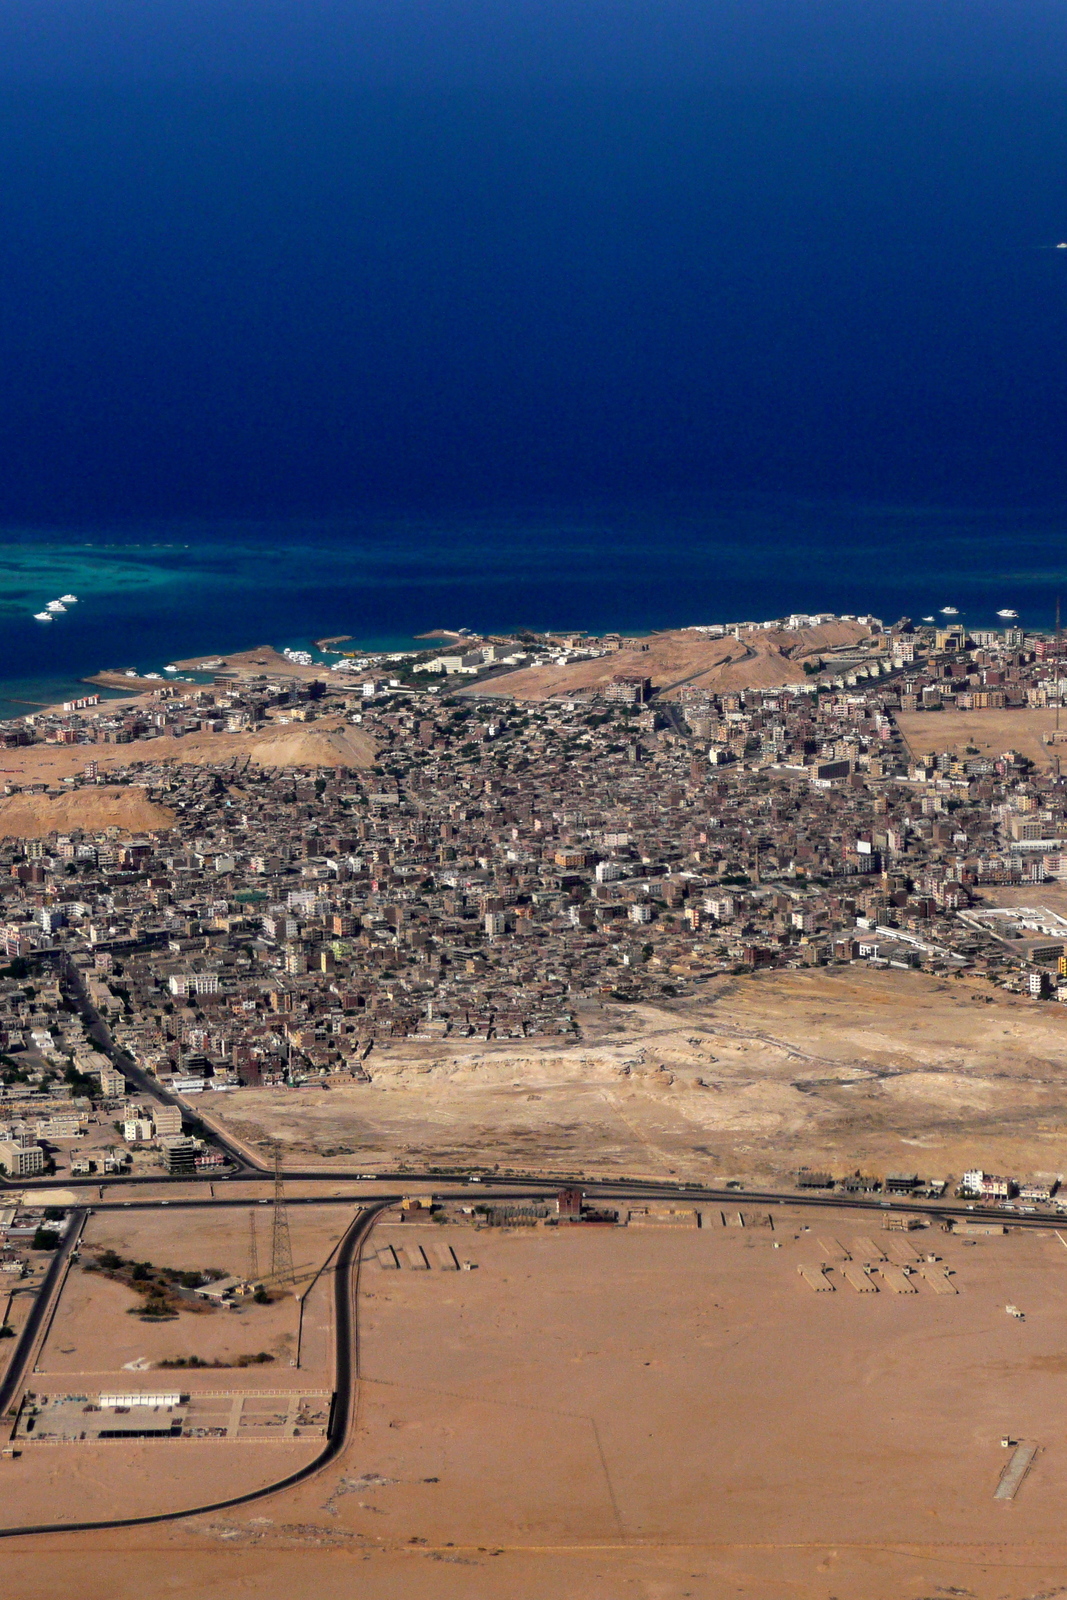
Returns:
<point x="281" y="1247"/>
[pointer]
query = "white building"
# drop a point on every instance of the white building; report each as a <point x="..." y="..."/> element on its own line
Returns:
<point x="609" y="872"/>
<point x="187" y="983"/>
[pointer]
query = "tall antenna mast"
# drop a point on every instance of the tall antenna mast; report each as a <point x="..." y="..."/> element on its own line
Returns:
<point x="281" y="1247"/>
<point x="253" y="1248"/>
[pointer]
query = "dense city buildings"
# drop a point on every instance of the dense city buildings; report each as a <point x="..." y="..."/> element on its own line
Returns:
<point x="496" y="861"/>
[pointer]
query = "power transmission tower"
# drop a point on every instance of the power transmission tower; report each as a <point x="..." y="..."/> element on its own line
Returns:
<point x="253" y="1248"/>
<point x="281" y="1247"/>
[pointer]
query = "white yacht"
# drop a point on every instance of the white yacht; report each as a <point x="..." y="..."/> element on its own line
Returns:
<point x="42" y="616"/>
<point x="69" y="599"/>
<point x="949" y="611"/>
<point x="170" y="669"/>
<point x="1009" y="616"/>
<point x="56" y="607"/>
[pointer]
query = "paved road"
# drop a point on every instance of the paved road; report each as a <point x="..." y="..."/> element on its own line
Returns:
<point x="597" y="1188"/>
<point x="347" y="1268"/>
<point x="73" y="987"/>
<point x="508" y="1189"/>
<point x="347" y="1370"/>
<point x="20" y="1355"/>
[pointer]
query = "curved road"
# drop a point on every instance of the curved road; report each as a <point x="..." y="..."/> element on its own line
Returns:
<point x="340" y="1419"/>
<point x="347" y="1266"/>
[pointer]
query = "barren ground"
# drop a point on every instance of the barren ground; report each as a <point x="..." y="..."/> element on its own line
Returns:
<point x="842" y="1068"/>
<point x="988" y="732"/>
<point x="96" y="1345"/>
<point x="594" y="1414"/>
<point x="35" y="816"/>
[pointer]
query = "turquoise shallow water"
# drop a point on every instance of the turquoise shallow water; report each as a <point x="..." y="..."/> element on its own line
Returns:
<point x="149" y="596"/>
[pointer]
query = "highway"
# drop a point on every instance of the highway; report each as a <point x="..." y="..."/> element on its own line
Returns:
<point x="536" y="1183"/>
<point x="346" y="1281"/>
<point x="20" y="1355"/>
<point x="346" y="1275"/>
<point x="607" y="1191"/>
<point x="244" y="1166"/>
<point x="367" y="1192"/>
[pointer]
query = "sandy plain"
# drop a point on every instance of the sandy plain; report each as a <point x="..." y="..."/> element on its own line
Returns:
<point x="93" y="1332"/>
<point x="601" y="1413"/>
<point x="988" y="732"/>
<point x="841" y="1068"/>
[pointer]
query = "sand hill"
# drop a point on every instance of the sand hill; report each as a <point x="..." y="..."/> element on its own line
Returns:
<point x="329" y="742"/>
<point x="684" y="657"/>
<point x="34" y="816"/>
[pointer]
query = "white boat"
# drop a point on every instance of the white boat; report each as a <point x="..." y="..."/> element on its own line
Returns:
<point x="170" y="669"/>
<point x="1010" y="615"/>
<point x="69" y="599"/>
<point x="42" y="616"/>
<point x="928" y="619"/>
<point x="949" y="611"/>
<point x="153" y="674"/>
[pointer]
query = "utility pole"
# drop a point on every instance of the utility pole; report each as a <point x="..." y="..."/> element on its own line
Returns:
<point x="281" y="1247"/>
<point x="253" y="1247"/>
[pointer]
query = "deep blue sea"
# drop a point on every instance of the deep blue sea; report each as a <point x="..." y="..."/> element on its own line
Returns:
<point x="370" y="318"/>
<point x="150" y="595"/>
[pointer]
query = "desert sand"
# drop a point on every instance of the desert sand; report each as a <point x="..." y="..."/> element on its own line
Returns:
<point x="25" y="816"/>
<point x="329" y="741"/>
<point x="94" y="1333"/>
<point x="96" y="1345"/>
<point x="841" y="1068"/>
<point x="592" y="1414"/>
<point x="988" y="732"/>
